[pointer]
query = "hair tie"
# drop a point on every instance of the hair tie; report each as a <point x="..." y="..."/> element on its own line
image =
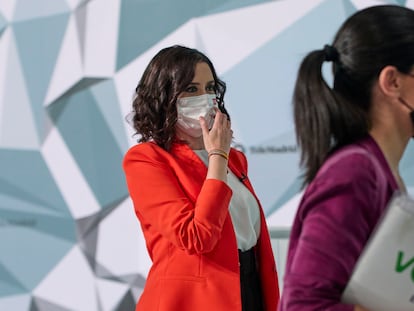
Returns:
<point x="331" y="53"/>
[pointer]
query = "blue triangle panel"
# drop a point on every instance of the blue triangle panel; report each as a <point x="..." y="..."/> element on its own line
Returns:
<point x="22" y="202"/>
<point x="15" y="302"/>
<point x="401" y="2"/>
<point x="234" y="4"/>
<point x="29" y="255"/>
<point x="24" y="174"/>
<point x="144" y="23"/>
<point x="38" y="43"/>
<point x="3" y="23"/>
<point x="8" y="284"/>
<point x="273" y="103"/>
<point x="279" y="155"/>
<point x="289" y="193"/>
<point x="80" y="85"/>
<point x="33" y="9"/>
<point x="106" y="98"/>
<point x="275" y="108"/>
<point x="57" y="226"/>
<point x="92" y="144"/>
<point x="349" y="7"/>
<point x="407" y="165"/>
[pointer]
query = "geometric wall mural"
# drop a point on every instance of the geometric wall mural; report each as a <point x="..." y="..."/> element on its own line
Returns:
<point x="69" y="239"/>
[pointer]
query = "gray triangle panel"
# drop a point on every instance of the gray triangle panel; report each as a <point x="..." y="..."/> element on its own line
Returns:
<point x="134" y="280"/>
<point x="90" y="223"/>
<point x="39" y="304"/>
<point x="127" y="302"/>
<point x="81" y="15"/>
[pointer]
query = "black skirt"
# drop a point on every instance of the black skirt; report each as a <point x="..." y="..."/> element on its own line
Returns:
<point x="251" y="293"/>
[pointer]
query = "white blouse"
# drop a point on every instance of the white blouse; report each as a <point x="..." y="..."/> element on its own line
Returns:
<point x="244" y="209"/>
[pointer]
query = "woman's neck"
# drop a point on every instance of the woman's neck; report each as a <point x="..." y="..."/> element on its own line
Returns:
<point x="392" y="146"/>
<point x="195" y="143"/>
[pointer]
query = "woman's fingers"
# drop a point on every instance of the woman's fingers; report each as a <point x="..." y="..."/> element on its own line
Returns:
<point x="220" y="135"/>
<point x="203" y="124"/>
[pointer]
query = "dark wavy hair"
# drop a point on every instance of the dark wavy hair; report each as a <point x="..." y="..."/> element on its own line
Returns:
<point x="167" y="75"/>
<point x="325" y="118"/>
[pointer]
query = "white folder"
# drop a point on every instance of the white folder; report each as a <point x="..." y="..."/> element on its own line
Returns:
<point x="383" y="278"/>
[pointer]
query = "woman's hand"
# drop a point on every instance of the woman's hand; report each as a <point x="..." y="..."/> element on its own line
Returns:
<point x="220" y="135"/>
<point x="218" y="138"/>
<point x="359" y="308"/>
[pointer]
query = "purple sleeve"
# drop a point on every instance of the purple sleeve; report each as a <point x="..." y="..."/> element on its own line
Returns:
<point x="335" y="218"/>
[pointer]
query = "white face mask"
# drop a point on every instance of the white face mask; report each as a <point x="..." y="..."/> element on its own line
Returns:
<point x="189" y="109"/>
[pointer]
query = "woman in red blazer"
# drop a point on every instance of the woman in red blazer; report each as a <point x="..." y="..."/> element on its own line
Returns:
<point x="204" y="227"/>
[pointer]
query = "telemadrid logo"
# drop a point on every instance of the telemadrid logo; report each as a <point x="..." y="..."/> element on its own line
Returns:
<point x="266" y="149"/>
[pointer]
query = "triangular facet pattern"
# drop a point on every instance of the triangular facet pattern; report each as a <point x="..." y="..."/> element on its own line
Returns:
<point x="3" y="23"/>
<point x="7" y="9"/>
<point x="91" y="139"/>
<point x="9" y="285"/>
<point x="15" y="90"/>
<point x="69" y="237"/>
<point x="142" y="15"/>
<point x="39" y="40"/>
<point x="36" y="9"/>
<point x="15" y="302"/>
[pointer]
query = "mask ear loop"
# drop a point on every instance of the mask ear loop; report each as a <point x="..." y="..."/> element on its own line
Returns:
<point x="406" y="104"/>
<point x="402" y="101"/>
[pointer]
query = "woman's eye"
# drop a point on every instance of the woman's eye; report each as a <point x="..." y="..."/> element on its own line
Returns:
<point x="191" y="89"/>
<point x="211" y="89"/>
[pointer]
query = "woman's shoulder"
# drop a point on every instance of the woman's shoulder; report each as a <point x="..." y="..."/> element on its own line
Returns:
<point x="144" y="151"/>
<point x="349" y="177"/>
<point x="143" y="147"/>
<point x="349" y="167"/>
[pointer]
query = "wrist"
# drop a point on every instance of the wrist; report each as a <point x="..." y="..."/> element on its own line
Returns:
<point x="218" y="152"/>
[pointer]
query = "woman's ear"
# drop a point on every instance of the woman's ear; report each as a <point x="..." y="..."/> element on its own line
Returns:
<point x="389" y="81"/>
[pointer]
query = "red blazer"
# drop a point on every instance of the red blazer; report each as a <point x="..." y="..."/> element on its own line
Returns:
<point x="189" y="232"/>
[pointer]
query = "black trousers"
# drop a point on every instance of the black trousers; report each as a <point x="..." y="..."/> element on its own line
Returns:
<point x="251" y="293"/>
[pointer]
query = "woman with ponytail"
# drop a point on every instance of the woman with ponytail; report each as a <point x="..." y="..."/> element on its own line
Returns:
<point x="352" y="137"/>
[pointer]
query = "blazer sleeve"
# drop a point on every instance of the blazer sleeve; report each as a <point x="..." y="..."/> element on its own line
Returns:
<point x="335" y="218"/>
<point x="161" y="204"/>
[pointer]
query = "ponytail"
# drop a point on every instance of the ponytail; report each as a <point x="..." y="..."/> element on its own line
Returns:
<point x="324" y="120"/>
